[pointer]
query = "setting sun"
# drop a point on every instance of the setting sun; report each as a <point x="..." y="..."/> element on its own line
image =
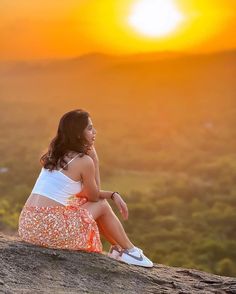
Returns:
<point x="155" y="18"/>
<point x="68" y="28"/>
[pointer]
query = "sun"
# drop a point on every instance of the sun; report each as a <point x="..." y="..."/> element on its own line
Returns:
<point x="155" y="18"/>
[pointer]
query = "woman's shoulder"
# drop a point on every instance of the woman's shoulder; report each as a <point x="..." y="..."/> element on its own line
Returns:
<point x="84" y="160"/>
<point x="82" y="163"/>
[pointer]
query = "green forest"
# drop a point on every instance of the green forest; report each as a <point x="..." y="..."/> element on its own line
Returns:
<point x="174" y="163"/>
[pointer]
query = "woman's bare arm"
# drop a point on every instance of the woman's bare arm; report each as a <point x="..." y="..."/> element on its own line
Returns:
<point x="93" y="154"/>
<point x="102" y="194"/>
<point x="97" y="174"/>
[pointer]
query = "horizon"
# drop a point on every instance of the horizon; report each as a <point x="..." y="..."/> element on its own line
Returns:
<point x="168" y="52"/>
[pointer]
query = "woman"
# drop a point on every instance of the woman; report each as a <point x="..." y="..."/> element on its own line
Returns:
<point x="66" y="208"/>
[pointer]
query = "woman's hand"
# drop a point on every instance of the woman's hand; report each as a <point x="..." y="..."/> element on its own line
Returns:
<point x="121" y="205"/>
<point x="92" y="153"/>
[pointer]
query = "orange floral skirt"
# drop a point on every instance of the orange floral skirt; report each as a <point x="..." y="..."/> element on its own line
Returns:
<point x="61" y="227"/>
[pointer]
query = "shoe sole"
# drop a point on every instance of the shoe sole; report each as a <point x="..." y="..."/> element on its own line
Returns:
<point x="148" y="266"/>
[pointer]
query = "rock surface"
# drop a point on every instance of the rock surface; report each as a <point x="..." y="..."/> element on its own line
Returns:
<point x="25" y="268"/>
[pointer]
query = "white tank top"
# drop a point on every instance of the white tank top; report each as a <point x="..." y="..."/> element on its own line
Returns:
<point x="56" y="185"/>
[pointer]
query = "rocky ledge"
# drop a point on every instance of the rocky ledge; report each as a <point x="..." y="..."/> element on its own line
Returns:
<point x="25" y="268"/>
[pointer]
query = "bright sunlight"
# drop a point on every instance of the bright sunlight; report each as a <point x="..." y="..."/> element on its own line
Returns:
<point x="155" y="18"/>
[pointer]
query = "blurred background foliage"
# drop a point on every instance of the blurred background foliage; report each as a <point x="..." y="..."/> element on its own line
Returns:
<point x="170" y="153"/>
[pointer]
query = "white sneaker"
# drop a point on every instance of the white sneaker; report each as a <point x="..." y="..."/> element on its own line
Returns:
<point x="136" y="257"/>
<point x="115" y="251"/>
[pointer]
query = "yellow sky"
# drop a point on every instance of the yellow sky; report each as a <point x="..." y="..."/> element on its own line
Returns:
<point x="65" y="28"/>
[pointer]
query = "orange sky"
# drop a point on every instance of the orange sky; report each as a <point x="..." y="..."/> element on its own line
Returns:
<point x="65" y="28"/>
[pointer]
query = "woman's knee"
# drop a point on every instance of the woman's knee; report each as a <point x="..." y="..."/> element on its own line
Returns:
<point x="105" y="206"/>
<point x="97" y="209"/>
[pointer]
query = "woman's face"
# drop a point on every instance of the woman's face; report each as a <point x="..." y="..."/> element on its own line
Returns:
<point x="90" y="132"/>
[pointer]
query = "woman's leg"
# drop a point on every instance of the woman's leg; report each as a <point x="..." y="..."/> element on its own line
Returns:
<point x="104" y="233"/>
<point x="109" y="222"/>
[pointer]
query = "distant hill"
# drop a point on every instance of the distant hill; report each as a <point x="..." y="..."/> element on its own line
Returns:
<point x="167" y="84"/>
<point x="96" y="60"/>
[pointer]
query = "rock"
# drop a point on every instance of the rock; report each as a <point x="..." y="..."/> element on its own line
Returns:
<point x="26" y="268"/>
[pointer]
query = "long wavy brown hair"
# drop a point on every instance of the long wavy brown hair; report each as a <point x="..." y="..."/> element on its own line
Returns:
<point x="69" y="137"/>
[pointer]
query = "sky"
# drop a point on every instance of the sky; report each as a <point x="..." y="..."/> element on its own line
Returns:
<point x="67" y="28"/>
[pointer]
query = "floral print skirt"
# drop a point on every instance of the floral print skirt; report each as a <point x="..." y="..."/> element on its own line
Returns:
<point x="61" y="227"/>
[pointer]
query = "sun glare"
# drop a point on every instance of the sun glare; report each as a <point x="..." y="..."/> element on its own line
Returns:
<point x="155" y="18"/>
